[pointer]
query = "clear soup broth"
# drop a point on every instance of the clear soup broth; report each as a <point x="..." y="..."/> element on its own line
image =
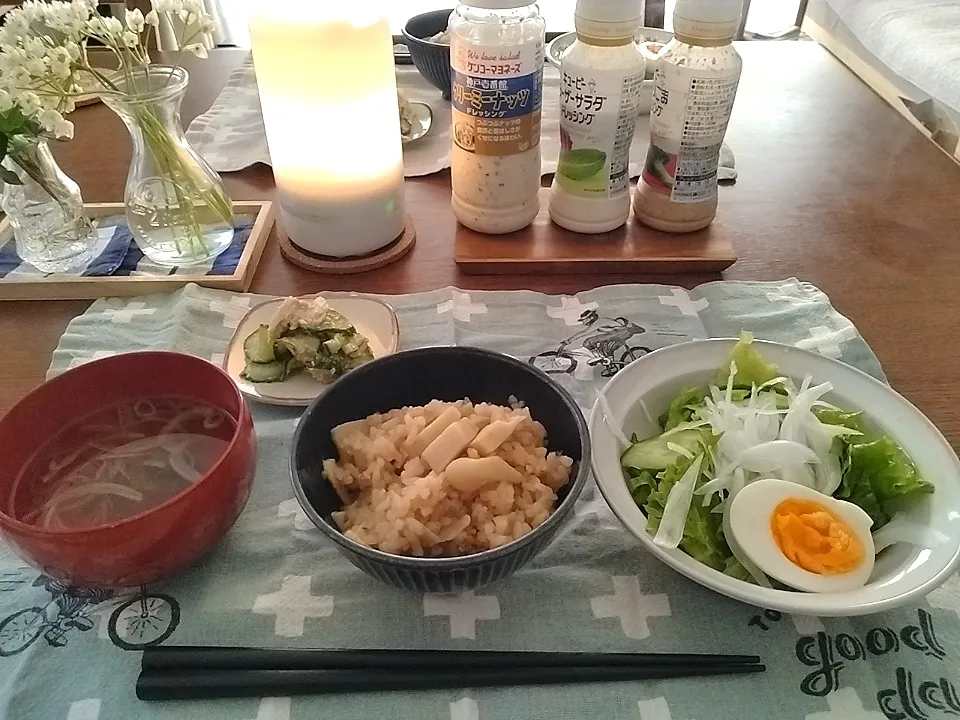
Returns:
<point x="119" y="461"/>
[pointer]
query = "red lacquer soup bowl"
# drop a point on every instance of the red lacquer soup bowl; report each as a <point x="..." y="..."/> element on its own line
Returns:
<point x="159" y="540"/>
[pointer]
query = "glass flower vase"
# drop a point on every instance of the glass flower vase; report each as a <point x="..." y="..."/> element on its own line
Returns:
<point x="45" y="209"/>
<point x="176" y="206"/>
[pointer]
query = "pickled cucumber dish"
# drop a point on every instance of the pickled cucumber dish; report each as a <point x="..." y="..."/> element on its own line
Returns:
<point x="304" y="335"/>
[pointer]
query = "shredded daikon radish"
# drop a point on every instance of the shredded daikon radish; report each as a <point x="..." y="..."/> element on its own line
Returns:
<point x="680" y="450"/>
<point x="610" y="420"/>
<point x="776" y="455"/>
<point x="902" y="530"/>
<point x="675" y="511"/>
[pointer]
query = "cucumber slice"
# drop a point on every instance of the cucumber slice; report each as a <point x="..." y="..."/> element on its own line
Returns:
<point x="653" y="453"/>
<point x="265" y="372"/>
<point x="258" y="347"/>
<point x="303" y="346"/>
<point x="333" y="345"/>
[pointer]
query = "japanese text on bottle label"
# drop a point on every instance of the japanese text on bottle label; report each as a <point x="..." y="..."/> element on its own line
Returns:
<point x="598" y="114"/>
<point x="497" y="94"/>
<point x="688" y="120"/>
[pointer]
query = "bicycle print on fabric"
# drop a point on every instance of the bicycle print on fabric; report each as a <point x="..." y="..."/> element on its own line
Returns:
<point x="138" y="621"/>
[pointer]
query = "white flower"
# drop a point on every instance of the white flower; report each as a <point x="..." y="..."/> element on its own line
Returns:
<point x="130" y="39"/>
<point x="152" y="18"/>
<point x="64" y="129"/>
<point x="29" y="102"/>
<point x="168" y="6"/>
<point x="49" y="118"/>
<point x="36" y="66"/>
<point x="206" y="24"/>
<point x="6" y="102"/>
<point x="135" y="20"/>
<point x="198" y="49"/>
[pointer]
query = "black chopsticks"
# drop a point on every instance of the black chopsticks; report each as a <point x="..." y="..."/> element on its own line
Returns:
<point x="197" y="673"/>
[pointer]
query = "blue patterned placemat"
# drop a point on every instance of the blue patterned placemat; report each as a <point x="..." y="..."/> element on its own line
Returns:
<point x="117" y="253"/>
<point x="275" y="581"/>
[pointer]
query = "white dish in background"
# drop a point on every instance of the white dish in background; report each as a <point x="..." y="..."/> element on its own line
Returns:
<point x="559" y="45"/>
<point x="371" y="317"/>
<point x="422" y="122"/>
<point x="902" y="573"/>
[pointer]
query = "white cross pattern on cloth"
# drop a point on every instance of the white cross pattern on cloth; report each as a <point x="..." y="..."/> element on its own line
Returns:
<point x="775" y="297"/>
<point x="124" y="315"/>
<point x="274" y="708"/>
<point x="845" y="705"/>
<point x="461" y="306"/>
<point x="947" y="596"/>
<point x="292" y="604"/>
<point x="570" y="310"/>
<point x="597" y="507"/>
<point x="233" y="310"/>
<point x="98" y="355"/>
<point x="464" y="709"/>
<point x="826" y="341"/>
<point x="656" y="709"/>
<point x="88" y="709"/>
<point x="679" y="299"/>
<point x="292" y="507"/>
<point x="463" y="609"/>
<point x="631" y="606"/>
<point x="807" y="624"/>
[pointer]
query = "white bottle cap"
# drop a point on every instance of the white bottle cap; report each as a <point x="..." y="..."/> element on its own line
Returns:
<point x="498" y="4"/>
<point x="608" y="19"/>
<point x="707" y="19"/>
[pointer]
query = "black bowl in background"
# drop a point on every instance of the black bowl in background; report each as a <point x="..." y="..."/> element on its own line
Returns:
<point x="416" y="377"/>
<point x="430" y="58"/>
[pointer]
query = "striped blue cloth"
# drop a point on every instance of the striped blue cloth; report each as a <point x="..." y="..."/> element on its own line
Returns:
<point x="117" y="253"/>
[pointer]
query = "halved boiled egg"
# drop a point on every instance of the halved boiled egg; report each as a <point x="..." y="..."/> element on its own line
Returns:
<point x="804" y="539"/>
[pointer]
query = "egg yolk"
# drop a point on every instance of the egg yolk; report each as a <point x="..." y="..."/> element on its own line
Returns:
<point x="812" y="538"/>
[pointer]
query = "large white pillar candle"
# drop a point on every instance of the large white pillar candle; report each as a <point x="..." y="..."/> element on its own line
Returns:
<point x="329" y="97"/>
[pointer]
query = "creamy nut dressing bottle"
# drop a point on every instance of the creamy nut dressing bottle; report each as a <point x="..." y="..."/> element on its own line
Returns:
<point x="694" y="88"/>
<point x="601" y="76"/>
<point x="496" y="57"/>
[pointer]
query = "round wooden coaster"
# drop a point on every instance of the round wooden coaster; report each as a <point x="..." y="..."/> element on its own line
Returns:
<point x="346" y="266"/>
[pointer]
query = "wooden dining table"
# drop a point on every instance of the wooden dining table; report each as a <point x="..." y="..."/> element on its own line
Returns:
<point x="835" y="188"/>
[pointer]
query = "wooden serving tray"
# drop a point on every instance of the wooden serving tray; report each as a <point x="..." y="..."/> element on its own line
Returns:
<point x="72" y="287"/>
<point x="545" y="247"/>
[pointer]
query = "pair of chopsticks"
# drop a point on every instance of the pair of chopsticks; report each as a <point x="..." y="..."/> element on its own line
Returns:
<point x="204" y="673"/>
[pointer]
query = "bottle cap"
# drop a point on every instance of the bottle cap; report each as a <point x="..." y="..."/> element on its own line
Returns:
<point x="498" y="4"/>
<point x="608" y="19"/>
<point x="707" y="19"/>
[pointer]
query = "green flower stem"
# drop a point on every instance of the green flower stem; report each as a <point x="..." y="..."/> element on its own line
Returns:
<point x="187" y="186"/>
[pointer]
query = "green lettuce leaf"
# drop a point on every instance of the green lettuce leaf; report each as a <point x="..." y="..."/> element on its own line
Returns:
<point x="641" y="483"/>
<point x="734" y="569"/>
<point x="892" y="474"/>
<point x="857" y="488"/>
<point x="702" y="533"/>
<point x="851" y="420"/>
<point x="752" y="369"/>
<point x="682" y="408"/>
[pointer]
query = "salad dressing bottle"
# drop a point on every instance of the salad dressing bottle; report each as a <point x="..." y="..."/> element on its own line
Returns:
<point x="496" y="58"/>
<point x="694" y="88"/>
<point x="601" y="76"/>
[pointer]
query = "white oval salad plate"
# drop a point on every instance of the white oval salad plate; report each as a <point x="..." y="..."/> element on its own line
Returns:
<point x="902" y="572"/>
<point x="373" y="318"/>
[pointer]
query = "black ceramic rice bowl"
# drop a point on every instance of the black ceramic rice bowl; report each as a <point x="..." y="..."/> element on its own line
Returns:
<point x="416" y="377"/>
